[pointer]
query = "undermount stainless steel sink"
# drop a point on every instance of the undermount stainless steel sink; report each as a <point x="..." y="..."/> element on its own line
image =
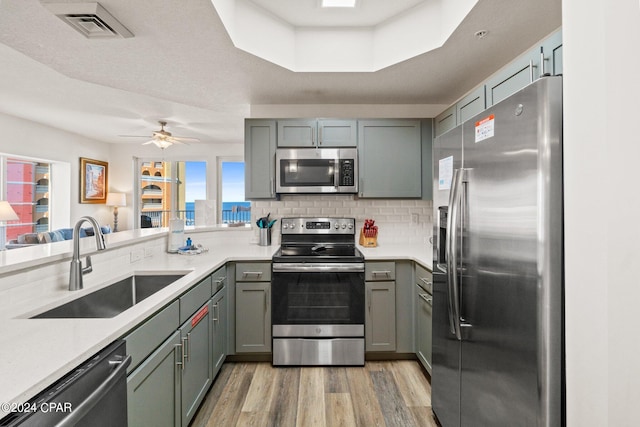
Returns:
<point x="113" y="299"/>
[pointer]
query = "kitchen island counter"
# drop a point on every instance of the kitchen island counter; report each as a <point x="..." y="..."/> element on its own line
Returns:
<point x="37" y="352"/>
<point x="422" y="254"/>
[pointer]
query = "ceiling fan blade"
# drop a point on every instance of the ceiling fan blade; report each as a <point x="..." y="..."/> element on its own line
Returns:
<point x="185" y="138"/>
<point x="148" y="142"/>
<point x="174" y="140"/>
<point x="134" y="136"/>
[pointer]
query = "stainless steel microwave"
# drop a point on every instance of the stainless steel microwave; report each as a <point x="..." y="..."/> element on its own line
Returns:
<point x="317" y="170"/>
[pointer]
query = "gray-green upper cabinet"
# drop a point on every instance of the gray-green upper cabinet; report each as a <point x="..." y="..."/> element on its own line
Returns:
<point x="390" y="158"/>
<point x="337" y="133"/>
<point x="518" y="74"/>
<point x="552" y="50"/>
<point x="297" y="133"/>
<point x="317" y="133"/>
<point x="470" y="105"/>
<point x="446" y="120"/>
<point x="427" y="161"/>
<point x="259" y="158"/>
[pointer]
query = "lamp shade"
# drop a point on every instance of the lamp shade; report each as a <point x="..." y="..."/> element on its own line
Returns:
<point x="116" y="199"/>
<point x="6" y="212"/>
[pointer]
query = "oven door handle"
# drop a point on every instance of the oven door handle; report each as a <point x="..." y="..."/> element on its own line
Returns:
<point x="315" y="267"/>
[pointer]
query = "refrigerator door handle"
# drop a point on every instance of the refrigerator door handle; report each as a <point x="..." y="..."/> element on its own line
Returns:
<point x="455" y="198"/>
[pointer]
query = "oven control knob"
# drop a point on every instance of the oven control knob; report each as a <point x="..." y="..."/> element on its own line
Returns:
<point x="350" y="226"/>
<point x="285" y="225"/>
<point x="337" y="225"/>
<point x="344" y="226"/>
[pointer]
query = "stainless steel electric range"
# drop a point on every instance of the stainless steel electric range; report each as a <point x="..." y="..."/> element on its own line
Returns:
<point x="317" y="294"/>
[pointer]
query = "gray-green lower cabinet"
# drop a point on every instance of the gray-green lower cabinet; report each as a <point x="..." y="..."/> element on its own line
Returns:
<point x="253" y="317"/>
<point x="171" y="376"/>
<point x="424" y="315"/>
<point x="423" y="297"/>
<point x="196" y="367"/>
<point x="219" y="315"/>
<point x="153" y="389"/>
<point x="380" y="316"/>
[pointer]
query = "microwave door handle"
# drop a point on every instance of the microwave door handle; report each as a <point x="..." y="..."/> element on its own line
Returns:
<point x="336" y="174"/>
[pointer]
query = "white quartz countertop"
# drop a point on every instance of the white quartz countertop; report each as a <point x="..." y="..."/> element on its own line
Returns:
<point x="37" y="352"/>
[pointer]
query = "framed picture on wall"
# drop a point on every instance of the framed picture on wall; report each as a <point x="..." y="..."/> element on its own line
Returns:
<point x="93" y="180"/>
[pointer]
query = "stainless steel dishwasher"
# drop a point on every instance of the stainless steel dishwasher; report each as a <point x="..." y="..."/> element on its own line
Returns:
<point x="93" y="395"/>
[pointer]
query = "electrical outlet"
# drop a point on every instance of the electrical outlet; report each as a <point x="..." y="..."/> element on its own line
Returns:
<point x="136" y="255"/>
<point x="414" y="218"/>
<point x="148" y="252"/>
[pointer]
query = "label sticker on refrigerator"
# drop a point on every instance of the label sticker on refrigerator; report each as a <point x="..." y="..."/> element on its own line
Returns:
<point x="485" y="128"/>
<point x="445" y="173"/>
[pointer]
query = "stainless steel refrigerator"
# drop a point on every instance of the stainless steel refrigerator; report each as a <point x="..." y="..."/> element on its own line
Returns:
<point x="498" y="265"/>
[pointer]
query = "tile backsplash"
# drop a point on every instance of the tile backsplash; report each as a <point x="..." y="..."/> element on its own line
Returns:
<point x="398" y="220"/>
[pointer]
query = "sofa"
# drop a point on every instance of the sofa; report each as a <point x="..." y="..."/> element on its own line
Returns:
<point x="30" y="239"/>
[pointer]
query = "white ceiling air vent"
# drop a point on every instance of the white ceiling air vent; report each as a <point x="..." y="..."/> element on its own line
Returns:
<point x="89" y="19"/>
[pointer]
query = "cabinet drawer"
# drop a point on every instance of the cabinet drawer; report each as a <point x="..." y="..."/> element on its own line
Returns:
<point x="218" y="279"/>
<point x="193" y="299"/>
<point x="374" y="271"/>
<point x="148" y="336"/>
<point x="253" y="272"/>
<point x="424" y="278"/>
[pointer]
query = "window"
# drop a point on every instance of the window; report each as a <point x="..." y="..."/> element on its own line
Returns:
<point x="25" y="185"/>
<point x="169" y="190"/>
<point x="233" y="207"/>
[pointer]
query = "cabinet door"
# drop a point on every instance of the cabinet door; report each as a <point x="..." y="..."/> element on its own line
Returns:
<point x="259" y="159"/>
<point x="297" y="133"/>
<point x="552" y="49"/>
<point x="218" y="329"/>
<point x="424" y="308"/>
<point x="380" y="316"/>
<point x="253" y="317"/>
<point x="337" y="133"/>
<point x="426" y="135"/>
<point x="471" y="104"/>
<point x="148" y="336"/>
<point x="195" y="334"/>
<point x="153" y="389"/>
<point x="390" y="158"/>
<point x="446" y="120"/>
<point x="524" y="70"/>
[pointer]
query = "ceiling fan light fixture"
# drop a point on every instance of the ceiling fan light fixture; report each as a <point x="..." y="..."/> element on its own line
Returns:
<point x="162" y="143"/>
<point x="337" y="3"/>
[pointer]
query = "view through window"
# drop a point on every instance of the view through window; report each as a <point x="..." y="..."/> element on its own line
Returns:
<point x="234" y="208"/>
<point x="168" y="190"/>
<point x="26" y="188"/>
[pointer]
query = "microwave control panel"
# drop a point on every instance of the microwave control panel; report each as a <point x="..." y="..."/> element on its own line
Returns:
<point x="347" y="173"/>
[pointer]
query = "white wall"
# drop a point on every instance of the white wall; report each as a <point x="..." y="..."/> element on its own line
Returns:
<point x="601" y="88"/>
<point x="30" y="139"/>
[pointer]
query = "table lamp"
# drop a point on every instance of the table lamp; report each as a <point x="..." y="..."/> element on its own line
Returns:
<point x="6" y="214"/>
<point x="115" y="200"/>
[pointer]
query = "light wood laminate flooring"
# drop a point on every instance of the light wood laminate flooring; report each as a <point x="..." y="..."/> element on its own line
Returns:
<point x="393" y="393"/>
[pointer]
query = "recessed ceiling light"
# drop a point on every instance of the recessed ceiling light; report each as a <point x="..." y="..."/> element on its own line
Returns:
<point x="481" y="34"/>
<point x="338" y="3"/>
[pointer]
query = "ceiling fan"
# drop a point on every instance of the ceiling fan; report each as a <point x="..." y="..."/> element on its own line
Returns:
<point x="162" y="138"/>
